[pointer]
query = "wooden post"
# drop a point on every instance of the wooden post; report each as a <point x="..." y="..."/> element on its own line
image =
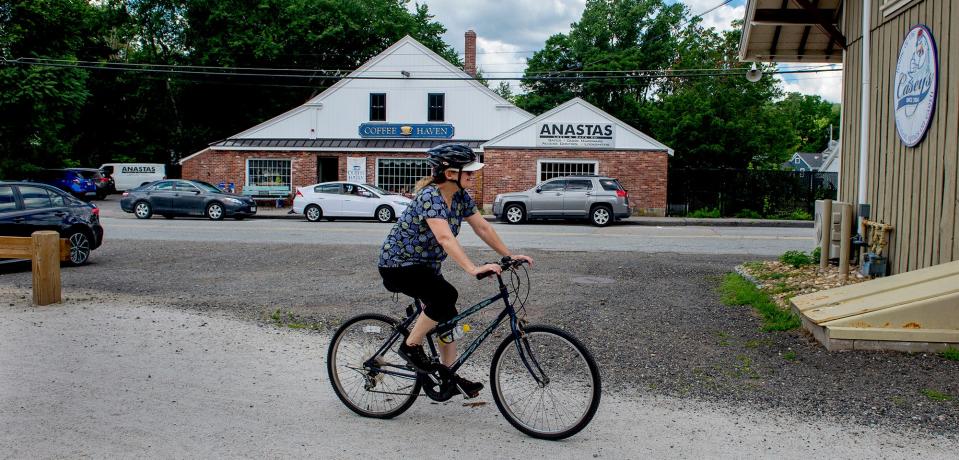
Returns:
<point x="845" y="240"/>
<point x="825" y="223"/>
<point x="46" y="267"/>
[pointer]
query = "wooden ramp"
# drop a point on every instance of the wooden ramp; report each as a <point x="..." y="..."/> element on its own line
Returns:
<point x="915" y="311"/>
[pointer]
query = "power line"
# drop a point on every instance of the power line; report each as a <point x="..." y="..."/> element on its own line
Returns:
<point x="176" y="70"/>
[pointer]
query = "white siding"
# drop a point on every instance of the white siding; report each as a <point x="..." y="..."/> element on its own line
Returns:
<point x="475" y="112"/>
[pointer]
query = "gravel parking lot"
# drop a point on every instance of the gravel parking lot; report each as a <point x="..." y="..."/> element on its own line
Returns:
<point x="653" y="321"/>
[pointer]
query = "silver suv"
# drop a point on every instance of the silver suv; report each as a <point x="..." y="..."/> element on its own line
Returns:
<point x="600" y="199"/>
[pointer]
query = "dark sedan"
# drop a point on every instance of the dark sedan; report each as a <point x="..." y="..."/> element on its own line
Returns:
<point x="27" y="207"/>
<point x="171" y="198"/>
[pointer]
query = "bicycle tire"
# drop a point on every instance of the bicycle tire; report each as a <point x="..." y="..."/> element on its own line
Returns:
<point x="359" y="400"/>
<point x="538" y="337"/>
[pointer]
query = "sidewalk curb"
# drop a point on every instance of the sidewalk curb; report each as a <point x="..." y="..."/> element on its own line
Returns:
<point x="647" y="221"/>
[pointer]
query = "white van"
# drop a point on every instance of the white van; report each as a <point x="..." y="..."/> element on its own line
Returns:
<point x="128" y="176"/>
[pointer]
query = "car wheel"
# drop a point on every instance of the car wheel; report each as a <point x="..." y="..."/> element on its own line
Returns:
<point x="384" y="214"/>
<point x="313" y="213"/>
<point x="79" y="247"/>
<point x="601" y="216"/>
<point x="514" y="214"/>
<point x="214" y="211"/>
<point x="142" y="210"/>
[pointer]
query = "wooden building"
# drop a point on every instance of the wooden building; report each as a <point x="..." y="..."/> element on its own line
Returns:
<point x="900" y="124"/>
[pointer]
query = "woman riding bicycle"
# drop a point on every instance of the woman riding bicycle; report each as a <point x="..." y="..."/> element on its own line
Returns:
<point x="423" y="236"/>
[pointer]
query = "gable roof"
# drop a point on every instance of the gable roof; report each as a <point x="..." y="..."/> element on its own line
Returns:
<point x="504" y="140"/>
<point x="369" y="66"/>
<point x="813" y="161"/>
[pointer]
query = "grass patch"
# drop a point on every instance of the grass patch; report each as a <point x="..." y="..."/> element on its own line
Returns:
<point x="736" y="290"/>
<point x="288" y="319"/>
<point x="950" y="353"/>
<point x="790" y="356"/>
<point x="705" y="213"/>
<point x="937" y="395"/>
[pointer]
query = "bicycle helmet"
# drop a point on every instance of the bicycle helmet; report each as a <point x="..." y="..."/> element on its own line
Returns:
<point x="453" y="156"/>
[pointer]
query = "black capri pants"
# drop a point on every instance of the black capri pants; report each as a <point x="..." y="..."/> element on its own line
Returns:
<point x="420" y="281"/>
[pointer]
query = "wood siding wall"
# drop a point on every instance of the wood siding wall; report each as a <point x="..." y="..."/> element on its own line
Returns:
<point x="913" y="189"/>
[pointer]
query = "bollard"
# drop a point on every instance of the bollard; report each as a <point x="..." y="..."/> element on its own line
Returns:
<point x="845" y="240"/>
<point x="825" y="223"/>
<point x="46" y="267"/>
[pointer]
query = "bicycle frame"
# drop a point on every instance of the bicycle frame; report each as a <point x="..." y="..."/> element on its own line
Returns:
<point x="523" y="349"/>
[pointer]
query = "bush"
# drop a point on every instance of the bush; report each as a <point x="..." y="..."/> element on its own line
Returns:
<point x="704" y="213"/>
<point x="816" y="254"/>
<point x="748" y="214"/>
<point x="799" y="215"/>
<point x="796" y="259"/>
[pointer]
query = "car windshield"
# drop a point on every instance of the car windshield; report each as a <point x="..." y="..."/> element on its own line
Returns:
<point x="378" y="190"/>
<point x="88" y="174"/>
<point x="206" y="187"/>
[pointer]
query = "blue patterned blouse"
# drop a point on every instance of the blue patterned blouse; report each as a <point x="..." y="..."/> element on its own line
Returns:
<point x="411" y="242"/>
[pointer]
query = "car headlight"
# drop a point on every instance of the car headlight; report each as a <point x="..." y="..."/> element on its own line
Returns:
<point x="233" y="200"/>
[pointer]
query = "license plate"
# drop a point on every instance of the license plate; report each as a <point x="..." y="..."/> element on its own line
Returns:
<point x="91" y="193"/>
<point x="253" y="208"/>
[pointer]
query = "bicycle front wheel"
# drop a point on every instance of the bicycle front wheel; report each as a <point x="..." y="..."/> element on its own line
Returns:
<point x="385" y="389"/>
<point x="565" y="398"/>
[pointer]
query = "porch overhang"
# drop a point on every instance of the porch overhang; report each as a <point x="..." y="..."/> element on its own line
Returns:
<point x="792" y="31"/>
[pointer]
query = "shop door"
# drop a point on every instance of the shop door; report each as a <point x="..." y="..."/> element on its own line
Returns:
<point x="327" y="169"/>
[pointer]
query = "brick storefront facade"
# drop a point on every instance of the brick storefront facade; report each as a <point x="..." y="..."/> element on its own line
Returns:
<point x="642" y="173"/>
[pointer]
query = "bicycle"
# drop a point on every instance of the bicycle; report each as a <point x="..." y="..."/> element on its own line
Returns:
<point x="543" y="380"/>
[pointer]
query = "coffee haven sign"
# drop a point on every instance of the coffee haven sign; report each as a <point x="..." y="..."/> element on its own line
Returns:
<point x="576" y="135"/>
<point x="916" y="85"/>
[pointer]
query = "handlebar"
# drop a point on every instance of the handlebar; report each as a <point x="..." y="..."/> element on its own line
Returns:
<point x="506" y="263"/>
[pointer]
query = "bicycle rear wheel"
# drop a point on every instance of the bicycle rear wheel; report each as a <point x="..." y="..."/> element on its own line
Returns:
<point x="569" y="396"/>
<point x="366" y="391"/>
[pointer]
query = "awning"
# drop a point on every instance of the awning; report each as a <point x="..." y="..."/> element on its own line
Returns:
<point x="331" y="144"/>
<point x="792" y="31"/>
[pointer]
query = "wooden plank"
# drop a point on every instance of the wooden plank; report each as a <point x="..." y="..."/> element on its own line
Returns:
<point x="951" y="196"/>
<point x="934" y="173"/>
<point x="12" y="247"/>
<point x="46" y="267"/>
<point x="64" y="250"/>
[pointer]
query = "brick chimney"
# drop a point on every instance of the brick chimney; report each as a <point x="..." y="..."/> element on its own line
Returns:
<point x="469" y="61"/>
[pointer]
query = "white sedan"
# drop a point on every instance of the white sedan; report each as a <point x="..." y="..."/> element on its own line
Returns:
<point x="347" y="199"/>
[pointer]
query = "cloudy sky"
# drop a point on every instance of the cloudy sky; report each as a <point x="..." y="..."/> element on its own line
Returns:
<point x="509" y="31"/>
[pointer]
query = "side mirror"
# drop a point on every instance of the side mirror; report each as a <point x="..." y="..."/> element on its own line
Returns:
<point x="539" y="190"/>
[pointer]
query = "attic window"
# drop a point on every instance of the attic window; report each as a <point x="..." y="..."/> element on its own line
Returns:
<point x="796" y="160"/>
<point x="377" y="106"/>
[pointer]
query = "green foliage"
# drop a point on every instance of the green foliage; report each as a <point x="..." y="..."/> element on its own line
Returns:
<point x="936" y="395"/>
<point x="790" y="356"/>
<point x="704" y="213"/>
<point x="748" y="214"/>
<point x="796" y="259"/>
<point x="816" y="254"/>
<point x="736" y="290"/>
<point x="950" y="353"/>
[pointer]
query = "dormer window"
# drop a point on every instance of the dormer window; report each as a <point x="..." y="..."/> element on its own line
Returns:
<point x="796" y="160"/>
<point x="377" y="106"/>
<point x="436" y="103"/>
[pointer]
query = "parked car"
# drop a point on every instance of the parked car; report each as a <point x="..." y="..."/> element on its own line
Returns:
<point x="331" y="200"/>
<point x="68" y="180"/>
<point x="128" y="176"/>
<point x="177" y="197"/>
<point x="26" y="207"/>
<point x="104" y="184"/>
<point x="600" y="199"/>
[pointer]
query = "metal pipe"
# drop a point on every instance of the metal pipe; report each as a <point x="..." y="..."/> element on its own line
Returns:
<point x="864" y="101"/>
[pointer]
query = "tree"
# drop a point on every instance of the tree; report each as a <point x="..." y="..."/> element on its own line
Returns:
<point x="39" y="104"/>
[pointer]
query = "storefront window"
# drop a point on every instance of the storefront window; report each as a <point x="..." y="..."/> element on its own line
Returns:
<point x="549" y="169"/>
<point x="268" y="177"/>
<point x="400" y="174"/>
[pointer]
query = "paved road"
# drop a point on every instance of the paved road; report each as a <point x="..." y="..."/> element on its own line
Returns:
<point x="121" y="380"/>
<point x="759" y="241"/>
